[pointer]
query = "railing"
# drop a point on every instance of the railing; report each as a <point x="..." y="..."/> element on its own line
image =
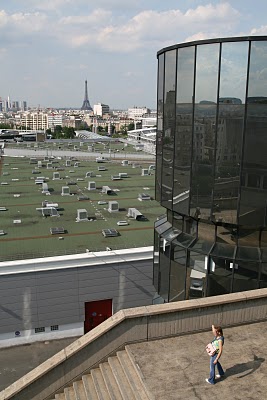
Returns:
<point x="136" y="325"/>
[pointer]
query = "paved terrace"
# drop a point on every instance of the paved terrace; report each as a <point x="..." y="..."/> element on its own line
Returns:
<point x="168" y="342"/>
<point x="175" y="368"/>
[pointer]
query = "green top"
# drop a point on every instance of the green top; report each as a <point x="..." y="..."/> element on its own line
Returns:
<point x="216" y="343"/>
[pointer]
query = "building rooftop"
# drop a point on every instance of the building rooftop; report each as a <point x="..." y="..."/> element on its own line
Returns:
<point x="28" y="232"/>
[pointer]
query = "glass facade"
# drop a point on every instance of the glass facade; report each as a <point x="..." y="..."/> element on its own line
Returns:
<point x="211" y="173"/>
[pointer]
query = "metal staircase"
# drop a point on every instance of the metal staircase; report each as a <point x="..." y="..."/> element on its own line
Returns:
<point x="117" y="379"/>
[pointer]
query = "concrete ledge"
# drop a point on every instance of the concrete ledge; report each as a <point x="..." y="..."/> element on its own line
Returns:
<point x="136" y="325"/>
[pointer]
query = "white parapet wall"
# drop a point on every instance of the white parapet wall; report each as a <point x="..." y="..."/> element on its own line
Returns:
<point x="29" y="336"/>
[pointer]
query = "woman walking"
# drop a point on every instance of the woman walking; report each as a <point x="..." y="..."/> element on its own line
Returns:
<point x="218" y="343"/>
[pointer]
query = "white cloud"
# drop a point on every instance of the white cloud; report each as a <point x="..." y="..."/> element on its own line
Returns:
<point x="259" y="31"/>
<point x="148" y="28"/>
<point x="103" y="29"/>
<point x="201" y="36"/>
<point x="98" y="16"/>
<point x="50" y="5"/>
<point x="22" y="22"/>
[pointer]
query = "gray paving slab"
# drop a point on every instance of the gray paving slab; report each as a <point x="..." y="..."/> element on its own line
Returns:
<point x="17" y="361"/>
<point x="176" y="368"/>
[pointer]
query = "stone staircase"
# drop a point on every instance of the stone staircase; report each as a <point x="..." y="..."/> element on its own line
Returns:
<point x="117" y="379"/>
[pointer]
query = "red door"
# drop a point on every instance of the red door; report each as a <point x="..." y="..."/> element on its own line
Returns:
<point x="96" y="312"/>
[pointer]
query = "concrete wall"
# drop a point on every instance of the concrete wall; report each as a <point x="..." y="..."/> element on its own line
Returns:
<point x="56" y="296"/>
<point x="133" y="325"/>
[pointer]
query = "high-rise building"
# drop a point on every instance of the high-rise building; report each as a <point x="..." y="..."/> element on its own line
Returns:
<point x="211" y="168"/>
<point x="23" y="105"/>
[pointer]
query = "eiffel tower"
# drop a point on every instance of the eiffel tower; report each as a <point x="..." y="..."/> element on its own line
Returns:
<point x="86" y="104"/>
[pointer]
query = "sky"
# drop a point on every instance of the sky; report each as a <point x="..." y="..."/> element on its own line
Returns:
<point x="48" y="48"/>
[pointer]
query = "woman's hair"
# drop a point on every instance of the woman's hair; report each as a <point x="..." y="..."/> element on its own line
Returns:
<point x="218" y="330"/>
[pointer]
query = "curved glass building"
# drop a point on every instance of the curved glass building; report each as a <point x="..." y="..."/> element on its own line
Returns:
<point x="211" y="171"/>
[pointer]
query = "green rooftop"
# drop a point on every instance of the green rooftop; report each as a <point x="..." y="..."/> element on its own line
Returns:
<point x="26" y="232"/>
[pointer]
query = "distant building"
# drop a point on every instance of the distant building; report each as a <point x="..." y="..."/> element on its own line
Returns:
<point x="101" y="109"/>
<point x="146" y="137"/>
<point x="137" y="112"/>
<point x="23" y="105"/>
<point x="54" y="120"/>
<point x="34" y="120"/>
<point x="149" y="120"/>
<point x="73" y="121"/>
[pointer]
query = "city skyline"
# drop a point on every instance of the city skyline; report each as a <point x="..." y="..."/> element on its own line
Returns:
<point x="49" y="49"/>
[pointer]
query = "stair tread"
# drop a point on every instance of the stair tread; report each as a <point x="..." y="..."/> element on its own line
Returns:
<point x="69" y="393"/>
<point x="100" y="385"/>
<point x="110" y="381"/>
<point x="79" y="391"/>
<point x="60" y="396"/>
<point x="132" y="376"/>
<point x="89" y="387"/>
<point x="121" y="379"/>
<point x="138" y="371"/>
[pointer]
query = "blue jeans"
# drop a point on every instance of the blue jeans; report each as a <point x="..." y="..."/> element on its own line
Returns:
<point x="212" y="369"/>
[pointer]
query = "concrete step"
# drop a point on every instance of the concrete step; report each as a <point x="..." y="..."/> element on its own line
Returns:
<point x="122" y="381"/>
<point x="69" y="393"/>
<point x="110" y="381"/>
<point x="132" y="376"/>
<point x="118" y="379"/>
<point x="79" y="390"/>
<point x="139" y="372"/>
<point x="89" y="387"/>
<point x="100" y="386"/>
<point x="60" y="396"/>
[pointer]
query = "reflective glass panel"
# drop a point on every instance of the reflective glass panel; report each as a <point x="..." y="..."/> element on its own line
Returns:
<point x="196" y="276"/>
<point x="161" y="220"/>
<point x="223" y="250"/>
<point x="264" y="239"/>
<point x="220" y="276"/>
<point x="159" y="127"/>
<point x="206" y="232"/>
<point x="163" y="227"/>
<point x="253" y="191"/>
<point x="234" y="58"/>
<point x="168" y="128"/>
<point x="184" y="239"/>
<point x="201" y="246"/>
<point x="178" y="221"/>
<point x="248" y="237"/>
<point x="183" y="130"/>
<point x="226" y="234"/>
<point x="207" y="62"/>
<point x="164" y="268"/>
<point x="248" y="253"/>
<point x="246" y="276"/>
<point x="156" y="261"/>
<point x="177" y="273"/>
<point x="263" y="276"/>
<point x="190" y="226"/>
